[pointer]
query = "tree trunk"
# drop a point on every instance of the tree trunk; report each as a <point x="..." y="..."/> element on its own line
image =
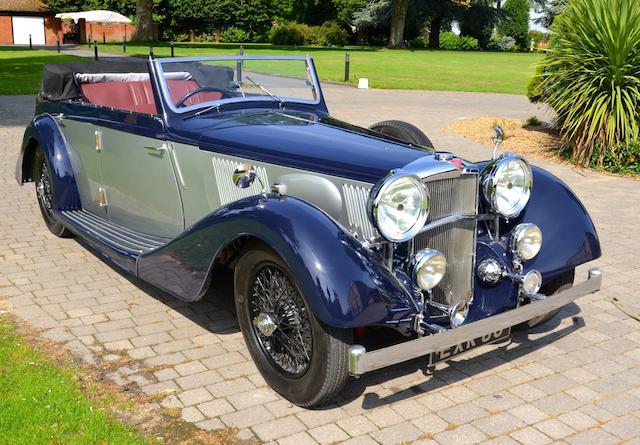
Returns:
<point x="434" y="31"/>
<point x="398" y="19"/>
<point x="144" y="20"/>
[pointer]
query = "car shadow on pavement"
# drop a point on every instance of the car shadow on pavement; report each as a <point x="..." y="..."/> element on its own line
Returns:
<point x="216" y="313"/>
<point x="519" y="346"/>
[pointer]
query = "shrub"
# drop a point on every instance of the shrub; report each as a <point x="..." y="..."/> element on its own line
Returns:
<point x="454" y="42"/>
<point x="504" y="43"/>
<point x="419" y="42"/>
<point x="233" y="35"/>
<point x="532" y="121"/>
<point x="287" y="34"/>
<point x="516" y="21"/>
<point x="591" y="77"/>
<point x="533" y="87"/>
<point x="330" y="34"/>
<point x="623" y="159"/>
<point x="300" y="34"/>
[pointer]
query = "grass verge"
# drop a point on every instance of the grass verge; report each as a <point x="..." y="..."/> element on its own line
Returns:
<point x="49" y="397"/>
<point x="41" y="402"/>
<point x="21" y="69"/>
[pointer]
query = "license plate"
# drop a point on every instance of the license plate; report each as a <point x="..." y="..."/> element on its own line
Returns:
<point x="468" y="345"/>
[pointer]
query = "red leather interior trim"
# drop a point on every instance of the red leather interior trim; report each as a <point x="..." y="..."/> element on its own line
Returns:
<point x="138" y="95"/>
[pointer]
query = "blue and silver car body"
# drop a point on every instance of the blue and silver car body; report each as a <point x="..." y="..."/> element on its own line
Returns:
<point x="155" y="194"/>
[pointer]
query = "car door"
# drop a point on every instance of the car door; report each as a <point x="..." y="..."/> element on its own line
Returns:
<point x="82" y="138"/>
<point x="138" y="175"/>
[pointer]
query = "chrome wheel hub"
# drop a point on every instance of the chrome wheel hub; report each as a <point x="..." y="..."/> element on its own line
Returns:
<point x="265" y="324"/>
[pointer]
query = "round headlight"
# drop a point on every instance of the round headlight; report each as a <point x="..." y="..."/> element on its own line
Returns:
<point x="526" y="241"/>
<point x="507" y="185"/>
<point x="429" y="267"/>
<point x="399" y="207"/>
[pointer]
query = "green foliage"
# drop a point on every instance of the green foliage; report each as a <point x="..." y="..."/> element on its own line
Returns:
<point x="503" y="43"/>
<point x="287" y="34"/>
<point x="591" y="77"/>
<point x="623" y="159"/>
<point x="532" y="121"/>
<point x="233" y="34"/>
<point x="516" y="21"/>
<point x="478" y="20"/>
<point x="42" y="403"/>
<point x="538" y="37"/>
<point x="453" y="42"/>
<point x="533" y="87"/>
<point x="329" y="34"/>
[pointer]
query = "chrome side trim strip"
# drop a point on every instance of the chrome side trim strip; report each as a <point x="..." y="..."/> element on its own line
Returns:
<point x="381" y="358"/>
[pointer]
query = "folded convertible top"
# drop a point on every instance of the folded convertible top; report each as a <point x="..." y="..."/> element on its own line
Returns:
<point x="61" y="81"/>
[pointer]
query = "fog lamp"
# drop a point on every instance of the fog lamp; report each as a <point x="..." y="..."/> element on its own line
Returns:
<point x="526" y="241"/>
<point x="429" y="266"/>
<point x="458" y="313"/>
<point x="531" y="283"/>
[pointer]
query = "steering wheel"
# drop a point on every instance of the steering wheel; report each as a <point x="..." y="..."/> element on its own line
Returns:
<point x="181" y="102"/>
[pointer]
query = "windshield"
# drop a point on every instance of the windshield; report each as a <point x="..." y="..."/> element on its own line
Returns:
<point x="201" y="82"/>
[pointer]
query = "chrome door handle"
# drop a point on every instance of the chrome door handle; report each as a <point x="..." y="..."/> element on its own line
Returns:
<point x="160" y="149"/>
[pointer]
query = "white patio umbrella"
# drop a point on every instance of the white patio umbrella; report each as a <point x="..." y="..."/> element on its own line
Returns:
<point x="98" y="16"/>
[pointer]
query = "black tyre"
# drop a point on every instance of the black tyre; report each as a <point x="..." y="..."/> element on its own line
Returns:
<point x="403" y="132"/>
<point x="44" y="193"/>
<point x="299" y="357"/>
<point x="558" y="284"/>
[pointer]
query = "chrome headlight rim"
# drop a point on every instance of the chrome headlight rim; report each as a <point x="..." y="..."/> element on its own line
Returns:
<point x="517" y="238"/>
<point x="492" y="171"/>
<point x="379" y="191"/>
<point x="420" y="260"/>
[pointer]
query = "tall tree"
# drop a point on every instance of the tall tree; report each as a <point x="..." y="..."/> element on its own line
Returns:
<point x="144" y="20"/>
<point x="516" y="21"/>
<point x="398" y="20"/>
<point x="478" y="20"/>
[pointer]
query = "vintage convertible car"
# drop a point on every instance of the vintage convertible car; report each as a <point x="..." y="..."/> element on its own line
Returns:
<point x="349" y="249"/>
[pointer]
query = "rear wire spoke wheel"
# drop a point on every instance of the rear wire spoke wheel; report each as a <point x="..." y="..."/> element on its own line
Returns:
<point x="44" y="193"/>
<point x="301" y="358"/>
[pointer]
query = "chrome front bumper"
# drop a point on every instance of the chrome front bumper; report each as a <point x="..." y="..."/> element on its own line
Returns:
<point x="361" y="361"/>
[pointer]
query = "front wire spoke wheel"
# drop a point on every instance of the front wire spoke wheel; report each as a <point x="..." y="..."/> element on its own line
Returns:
<point x="289" y="345"/>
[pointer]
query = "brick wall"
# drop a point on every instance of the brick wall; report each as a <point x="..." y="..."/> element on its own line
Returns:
<point x="6" y="30"/>
<point x="112" y="33"/>
<point x="52" y="30"/>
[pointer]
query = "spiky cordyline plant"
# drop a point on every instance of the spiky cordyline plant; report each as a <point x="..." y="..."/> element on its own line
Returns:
<point x="591" y="75"/>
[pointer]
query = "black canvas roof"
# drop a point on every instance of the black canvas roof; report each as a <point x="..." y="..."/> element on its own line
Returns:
<point x="59" y="81"/>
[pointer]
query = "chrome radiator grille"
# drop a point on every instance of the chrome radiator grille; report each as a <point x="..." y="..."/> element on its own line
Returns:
<point x="457" y="240"/>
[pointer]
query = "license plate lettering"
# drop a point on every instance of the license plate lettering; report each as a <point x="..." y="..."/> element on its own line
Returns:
<point x="467" y="345"/>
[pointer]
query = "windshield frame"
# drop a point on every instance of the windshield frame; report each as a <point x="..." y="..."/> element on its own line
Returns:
<point x="166" y="97"/>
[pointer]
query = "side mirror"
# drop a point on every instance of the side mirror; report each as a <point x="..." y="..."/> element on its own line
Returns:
<point x="244" y="176"/>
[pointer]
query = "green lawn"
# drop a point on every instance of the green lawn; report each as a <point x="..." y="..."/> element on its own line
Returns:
<point x="394" y="69"/>
<point x="41" y="403"/>
<point x="21" y="69"/>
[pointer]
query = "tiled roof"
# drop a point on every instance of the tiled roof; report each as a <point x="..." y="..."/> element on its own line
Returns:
<point x="23" y="5"/>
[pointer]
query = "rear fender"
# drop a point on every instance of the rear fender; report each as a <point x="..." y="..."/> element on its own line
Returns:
<point x="43" y="131"/>
<point x="343" y="283"/>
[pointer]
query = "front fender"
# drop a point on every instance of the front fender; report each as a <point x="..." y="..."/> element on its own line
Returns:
<point x="343" y="283"/>
<point x="43" y="131"/>
<point x="569" y="237"/>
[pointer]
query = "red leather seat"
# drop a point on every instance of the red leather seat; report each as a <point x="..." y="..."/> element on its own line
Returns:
<point x="138" y="95"/>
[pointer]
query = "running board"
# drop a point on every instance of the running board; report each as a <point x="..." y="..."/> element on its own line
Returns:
<point x="119" y="238"/>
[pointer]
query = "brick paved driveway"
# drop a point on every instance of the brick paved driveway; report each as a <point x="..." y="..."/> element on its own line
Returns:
<point x="575" y="381"/>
